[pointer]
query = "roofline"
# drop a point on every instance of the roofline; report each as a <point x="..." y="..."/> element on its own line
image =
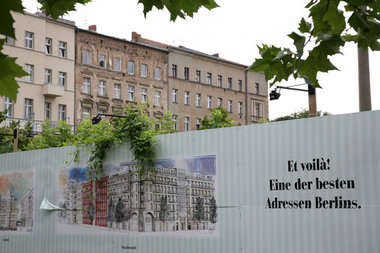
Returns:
<point x="123" y="40"/>
<point x="48" y="18"/>
<point x="192" y="51"/>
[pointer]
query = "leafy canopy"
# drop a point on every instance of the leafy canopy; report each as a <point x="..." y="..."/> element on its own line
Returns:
<point x="9" y="70"/>
<point x="300" y="115"/>
<point x="219" y="118"/>
<point x="331" y="23"/>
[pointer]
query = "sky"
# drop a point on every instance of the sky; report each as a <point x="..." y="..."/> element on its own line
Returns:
<point x="234" y="30"/>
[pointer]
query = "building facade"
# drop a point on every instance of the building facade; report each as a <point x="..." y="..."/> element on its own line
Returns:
<point x="199" y="82"/>
<point x="45" y="49"/>
<point x="112" y="73"/>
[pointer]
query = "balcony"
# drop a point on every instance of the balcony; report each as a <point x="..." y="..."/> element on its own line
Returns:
<point x="52" y="90"/>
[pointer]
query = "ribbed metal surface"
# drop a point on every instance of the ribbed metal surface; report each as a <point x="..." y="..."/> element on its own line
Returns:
<point x="247" y="158"/>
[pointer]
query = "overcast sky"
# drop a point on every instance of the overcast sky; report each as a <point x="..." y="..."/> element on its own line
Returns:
<point x="233" y="30"/>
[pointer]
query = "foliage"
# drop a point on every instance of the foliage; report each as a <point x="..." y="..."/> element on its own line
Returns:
<point x="7" y="139"/>
<point x="199" y="210"/>
<point x="213" y="210"/>
<point x="300" y="115"/>
<point x="59" y="136"/>
<point x="330" y="25"/>
<point x="130" y="125"/>
<point x="219" y="118"/>
<point x="56" y="8"/>
<point x="164" y="208"/>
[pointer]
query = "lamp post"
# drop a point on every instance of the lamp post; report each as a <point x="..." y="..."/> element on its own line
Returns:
<point x="95" y="120"/>
<point x="274" y="95"/>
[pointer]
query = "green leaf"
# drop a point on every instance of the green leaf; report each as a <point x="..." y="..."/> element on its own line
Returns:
<point x="6" y="24"/>
<point x="304" y="26"/>
<point x="299" y="42"/>
<point x="335" y="18"/>
<point x="8" y="71"/>
<point x="57" y="8"/>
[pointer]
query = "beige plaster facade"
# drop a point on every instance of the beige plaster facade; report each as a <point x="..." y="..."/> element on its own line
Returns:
<point x="44" y="48"/>
<point x="112" y="72"/>
<point x="203" y="82"/>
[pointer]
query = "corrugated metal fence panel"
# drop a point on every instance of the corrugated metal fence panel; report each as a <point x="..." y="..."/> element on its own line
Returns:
<point x="247" y="158"/>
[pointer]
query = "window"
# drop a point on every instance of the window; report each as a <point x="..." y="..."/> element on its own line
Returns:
<point x="47" y="76"/>
<point x="175" y="119"/>
<point x="47" y="110"/>
<point x="229" y="108"/>
<point x="61" y="112"/>
<point x="220" y="101"/>
<point x="257" y="110"/>
<point x="62" y="49"/>
<point x="8" y="105"/>
<point x="157" y="73"/>
<point x="86" y="112"/>
<point x="209" y="78"/>
<point x="240" y="85"/>
<point x="29" y="40"/>
<point x="102" y="88"/>
<point x="186" y="73"/>
<point x="257" y="88"/>
<point x="29" y="69"/>
<point x="240" y="107"/>
<point x="186" y="123"/>
<point x="62" y="79"/>
<point x="219" y="81"/>
<point x="28" y="108"/>
<point x="144" y="95"/>
<point x="9" y="41"/>
<point x="229" y="83"/>
<point x="198" y="124"/>
<point x="157" y="97"/>
<point x="102" y="60"/>
<point x="48" y="48"/>
<point x="175" y="96"/>
<point x="116" y="91"/>
<point x="86" y="57"/>
<point x="117" y="64"/>
<point x="198" y="100"/>
<point x="86" y="85"/>
<point x="131" y="93"/>
<point x="144" y="70"/>
<point x="187" y="97"/>
<point x="198" y="76"/>
<point x="209" y="102"/>
<point x="174" y="70"/>
<point x="131" y="68"/>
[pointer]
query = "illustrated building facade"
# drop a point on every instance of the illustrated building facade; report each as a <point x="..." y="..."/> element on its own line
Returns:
<point x="8" y="211"/>
<point x="165" y="201"/>
<point x="45" y="49"/>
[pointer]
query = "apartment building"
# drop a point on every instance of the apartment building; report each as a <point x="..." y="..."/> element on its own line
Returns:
<point x="199" y="82"/>
<point x="45" y="49"/>
<point x="112" y="73"/>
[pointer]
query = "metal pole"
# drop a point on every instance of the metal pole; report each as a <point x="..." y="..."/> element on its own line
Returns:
<point x="312" y="101"/>
<point x="364" y="80"/>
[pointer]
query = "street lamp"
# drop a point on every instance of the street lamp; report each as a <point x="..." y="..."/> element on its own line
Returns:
<point x="95" y="120"/>
<point x="273" y="95"/>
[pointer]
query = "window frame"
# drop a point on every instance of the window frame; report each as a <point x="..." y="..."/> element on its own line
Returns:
<point x="220" y="81"/>
<point x="102" y="60"/>
<point x="186" y="95"/>
<point x="209" y="102"/>
<point x="62" y="49"/>
<point x="29" y="41"/>
<point x="157" y="97"/>
<point x="144" y="95"/>
<point x="131" y="93"/>
<point x="62" y="79"/>
<point x="143" y="70"/>
<point x="198" y="100"/>
<point x="48" y="76"/>
<point x="48" y="46"/>
<point x="102" y="88"/>
<point x="117" y="64"/>
<point x="175" y="95"/>
<point x="86" y="85"/>
<point x="209" y="78"/>
<point x="131" y="67"/>
<point x="62" y="112"/>
<point x="29" y="78"/>
<point x="47" y="110"/>
<point x="186" y="73"/>
<point x="28" y="108"/>
<point x="8" y="103"/>
<point x="86" y="57"/>
<point x="186" y="123"/>
<point x="116" y="90"/>
<point x="174" y="70"/>
<point x="157" y="73"/>
<point x="229" y="105"/>
<point x="198" y="76"/>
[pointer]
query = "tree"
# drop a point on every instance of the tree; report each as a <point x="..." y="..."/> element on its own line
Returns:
<point x="56" y="8"/>
<point x="59" y="136"/>
<point x="331" y="23"/>
<point x="300" y="115"/>
<point x="213" y="210"/>
<point x="164" y="209"/>
<point x="219" y="118"/>
<point x="199" y="211"/>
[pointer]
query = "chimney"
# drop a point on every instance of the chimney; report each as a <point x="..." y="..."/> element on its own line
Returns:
<point x="216" y="55"/>
<point x="136" y="36"/>
<point x="92" y="28"/>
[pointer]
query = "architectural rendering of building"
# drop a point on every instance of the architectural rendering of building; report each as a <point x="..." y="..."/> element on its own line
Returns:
<point x="172" y="199"/>
<point x="45" y="49"/>
<point x="112" y="73"/>
<point x="8" y="211"/>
